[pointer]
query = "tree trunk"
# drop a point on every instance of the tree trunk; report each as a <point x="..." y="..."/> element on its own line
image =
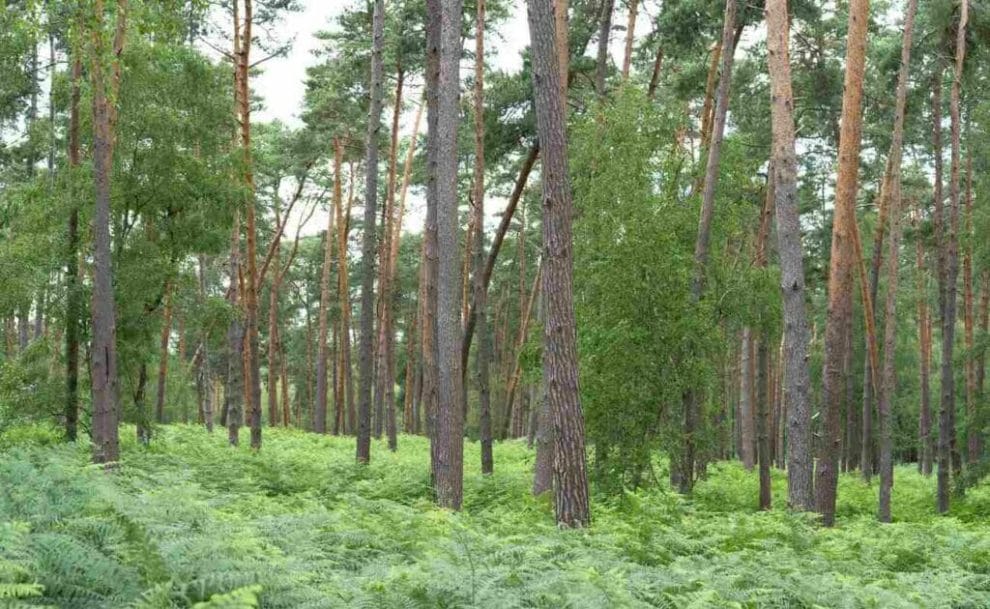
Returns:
<point x="512" y="406"/>
<point x="480" y="290"/>
<point x="630" y="38"/>
<point x="429" y="271"/>
<point x="323" y="349"/>
<point x="762" y="420"/>
<point x="889" y="381"/>
<point x="166" y="333"/>
<point x="344" y="378"/>
<point x="233" y="407"/>
<point x="840" y="279"/>
<point x="925" y="444"/>
<point x="273" y="333"/>
<point x="560" y="362"/>
<point x="204" y="377"/>
<point x="73" y="294"/>
<point x="972" y="419"/>
<point x="103" y="359"/>
<point x="691" y="400"/>
<point x="143" y="428"/>
<point x="368" y="239"/>
<point x="384" y="394"/>
<point x="604" y="33"/>
<point x="746" y="420"/>
<point x="448" y="467"/>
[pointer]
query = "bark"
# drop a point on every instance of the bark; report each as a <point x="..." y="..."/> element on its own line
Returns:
<point x="972" y="419"/>
<point x="762" y="420"/>
<point x="345" y="393"/>
<point x="143" y="429"/>
<point x="480" y="290"/>
<point x="429" y="269"/>
<point x="889" y="381"/>
<point x="947" y="456"/>
<point x="323" y="348"/>
<point x="562" y="38"/>
<point x="103" y="359"/>
<point x="234" y="395"/>
<point x="840" y="281"/>
<point x="604" y="33"/>
<point x="691" y="399"/>
<point x="708" y="106"/>
<point x="273" y="334"/>
<point x="746" y="433"/>
<point x="369" y="238"/>
<point x="251" y="339"/>
<point x="384" y="393"/>
<point x="166" y="333"/>
<point x="630" y="38"/>
<point x="73" y="294"/>
<point x="204" y="378"/>
<point x="448" y="467"/>
<point x="560" y="363"/>
<point x="651" y="89"/>
<point x="925" y="444"/>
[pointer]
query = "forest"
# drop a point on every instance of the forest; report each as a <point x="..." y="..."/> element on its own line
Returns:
<point x="534" y="304"/>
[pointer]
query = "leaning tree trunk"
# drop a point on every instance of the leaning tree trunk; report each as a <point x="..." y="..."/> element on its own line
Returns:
<point x="889" y="380"/>
<point x="691" y="399"/>
<point x="560" y="362"/>
<point x="103" y="348"/>
<point x="840" y="279"/>
<point x="369" y="238"/>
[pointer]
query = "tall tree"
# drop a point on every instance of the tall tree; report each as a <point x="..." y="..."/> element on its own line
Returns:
<point x="560" y="363"/>
<point x="448" y="467"/>
<point x="840" y="277"/>
<point x="322" y="346"/>
<point x="701" y="247"/>
<point x="889" y="380"/>
<point x="73" y="294"/>
<point x="369" y="237"/>
<point x="480" y="289"/>
<point x="103" y="349"/>
<point x="344" y="395"/>
<point x="950" y="244"/>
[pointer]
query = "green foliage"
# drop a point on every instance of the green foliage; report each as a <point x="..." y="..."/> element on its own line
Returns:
<point x="190" y="522"/>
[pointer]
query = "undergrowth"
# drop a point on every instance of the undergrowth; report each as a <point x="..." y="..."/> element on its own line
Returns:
<point x="190" y="522"/>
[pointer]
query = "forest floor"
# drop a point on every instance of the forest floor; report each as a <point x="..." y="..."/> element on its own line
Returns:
<point x="301" y="526"/>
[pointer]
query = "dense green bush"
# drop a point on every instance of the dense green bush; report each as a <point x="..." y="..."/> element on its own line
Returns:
<point x="190" y="522"/>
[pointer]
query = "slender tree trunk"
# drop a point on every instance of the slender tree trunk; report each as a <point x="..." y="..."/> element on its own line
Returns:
<point x="368" y="239"/>
<point x="203" y="375"/>
<point x="691" y="399"/>
<point x="323" y="349"/>
<point x="73" y="294"/>
<point x="234" y="395"/>
<point x="708" y="106"/>
<point x="604" y="33"/>
<point x="273" y="333"/>
<point x="480" y="290"/>
<point x="503" y="228"/>
<point x="746" y="420"/>
<point x="103" y="359"/>
<point x="512" y="406"/>
<point x="925" y="444"/>
<point x="947" y="455"/>
<point x="840" y="279"/>
<point x="560" y="363"/>
<point x="889" y="381"/>
<point x="630" y="38"/>
<point x="166" y="334"/>
<point x="762" y="420"/>
<point x="430" y="264"/>
<point x="344" y="378"/>
<point x="143" y="428"/>
<point x="969" y="319"/>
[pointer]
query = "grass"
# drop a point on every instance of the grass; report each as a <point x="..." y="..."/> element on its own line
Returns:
<point x="190" y="522"/>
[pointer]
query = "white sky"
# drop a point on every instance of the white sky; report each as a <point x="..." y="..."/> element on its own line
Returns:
<point x="282" y="82"/>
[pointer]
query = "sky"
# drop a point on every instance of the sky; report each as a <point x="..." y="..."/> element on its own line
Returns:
<point x="282" y="84"/>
